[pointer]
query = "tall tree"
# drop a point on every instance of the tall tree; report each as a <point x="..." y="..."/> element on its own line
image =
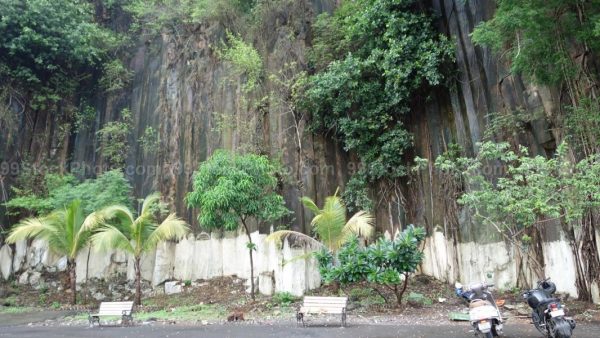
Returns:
<point x="120" y="229"/>
<point x="66" y="230"/>
<point x="330" y="225"/>
<point x="230" y="188"/>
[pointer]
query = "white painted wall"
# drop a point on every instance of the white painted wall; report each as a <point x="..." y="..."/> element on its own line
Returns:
<point x="475" y="260"/>
<point x="291" y="269"/>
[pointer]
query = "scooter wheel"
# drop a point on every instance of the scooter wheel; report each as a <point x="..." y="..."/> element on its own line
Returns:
<point x="561" y="328"/>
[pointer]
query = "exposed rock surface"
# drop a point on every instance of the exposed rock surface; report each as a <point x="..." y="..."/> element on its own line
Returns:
<point x="6" y="257"/>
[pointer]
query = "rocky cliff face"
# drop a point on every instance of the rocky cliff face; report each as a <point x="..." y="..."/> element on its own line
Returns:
<point x="197" y="104"/>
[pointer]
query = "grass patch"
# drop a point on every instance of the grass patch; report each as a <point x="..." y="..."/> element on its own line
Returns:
<point x="185" y="313"/>
<point x="283" y="298"/>
<point x="16" y="309"/>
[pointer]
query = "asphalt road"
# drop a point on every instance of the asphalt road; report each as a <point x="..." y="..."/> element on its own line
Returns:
<point x="279" y="331"/>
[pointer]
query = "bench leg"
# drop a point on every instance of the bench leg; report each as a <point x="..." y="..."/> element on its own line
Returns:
<point x="94" y="319"/>
<point x="126" y="320"/>
<point x="300" y="318"/>
<point x="344" y="318"/>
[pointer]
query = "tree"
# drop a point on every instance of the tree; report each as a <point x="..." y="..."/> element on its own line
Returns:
<point x="530" y="192"/>
<point x="66" y="230"/>
<point x="51" y="46"/>
<point x="387" y="263"/>
<point x="230" y="188"/>
<point x="330" y="225"/>
<point x="372" y="58"/>
<point x="39" y="193"/>
<point x="119" y="229"/>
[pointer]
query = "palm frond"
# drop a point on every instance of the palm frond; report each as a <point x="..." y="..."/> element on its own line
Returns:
<point x="108" y="237"/>
<point x="329" y="224"/>
<point x="310" y="205"/>
<point x="92" y="221"/>
<point x="307" y="241"/>
<point x="361" y="225"/>
<point x="28" y="228"/>
<point x="120" y="212"/>
<point x="149" y="202"/>
<point x="172" y="228"/>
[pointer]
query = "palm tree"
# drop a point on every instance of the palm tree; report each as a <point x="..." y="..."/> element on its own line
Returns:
<point x="330" y="225"/>
<point x="67" y="231"/>
<point x="122" y="231"/>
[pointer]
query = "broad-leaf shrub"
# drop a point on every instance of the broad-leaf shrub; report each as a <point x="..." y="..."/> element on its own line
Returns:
<point x="386" y="263"/>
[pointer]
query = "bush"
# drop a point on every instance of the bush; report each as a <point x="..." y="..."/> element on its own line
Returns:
<point x="386" y="263"/>
<point x="284" y="298"/>
<point x="56" y="191"/>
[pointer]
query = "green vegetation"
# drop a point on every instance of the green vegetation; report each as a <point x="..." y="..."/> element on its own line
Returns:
<point x="149" y="141"/>
<point x="372" y="57"/>
<point x="245" y="60"/>
<point x="553" y="43"/>
<point x="113" y="140"/>
<point x="330" y="226"/>
<point x="537" y="36"/>
<point x="38" y="193"/>
<point x="155" y="15"/>
<point x="16" y="309"/>
<point x="115" y="76"/>
<point x="67" y="231"/>
<point x="283" y="298"/>
<point x="50" y="46"/>
<point x="530" y="191"/>
<point x="118" y="228"/>
<point x="187" y="313"/>
<point x="386" y="263"/>
<point x="230" y="188"/>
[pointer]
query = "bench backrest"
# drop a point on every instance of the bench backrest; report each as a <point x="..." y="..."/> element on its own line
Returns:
<point x="115" y="308"/>
<point x="325" y="302"/>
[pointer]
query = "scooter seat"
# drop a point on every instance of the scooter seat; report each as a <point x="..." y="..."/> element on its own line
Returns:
<point x="545" y="302"/>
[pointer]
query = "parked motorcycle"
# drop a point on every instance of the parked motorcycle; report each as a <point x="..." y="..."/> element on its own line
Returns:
<point x="484" y="315"/>
<point x="548" y="314"/>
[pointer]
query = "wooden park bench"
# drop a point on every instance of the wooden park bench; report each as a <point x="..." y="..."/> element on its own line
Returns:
<point x="122" y="309"/>
<point x="322" y="305"/>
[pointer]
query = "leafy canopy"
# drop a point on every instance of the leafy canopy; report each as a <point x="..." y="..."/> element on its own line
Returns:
<point x="229" y="187"/>
<point x="57" y="191"/>
<point x="537" y="35"/>
<point x="47" y="43"/>
<point x="155" y="15"/>
<point x="529" y="189"/>
<point x="371" y="58"/>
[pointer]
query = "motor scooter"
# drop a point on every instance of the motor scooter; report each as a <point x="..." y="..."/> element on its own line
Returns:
<point x="548" y="315"/>
<point x="484" y="315"/>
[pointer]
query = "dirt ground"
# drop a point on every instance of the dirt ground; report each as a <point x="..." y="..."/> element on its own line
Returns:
<point x="426" y="302"/>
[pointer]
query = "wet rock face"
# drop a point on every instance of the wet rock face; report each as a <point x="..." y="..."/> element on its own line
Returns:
<point x="183" y="91"/>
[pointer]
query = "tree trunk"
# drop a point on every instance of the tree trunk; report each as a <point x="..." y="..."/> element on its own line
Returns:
<point x="400" y="293"/>
<point x="138" y="282"/>
<point x="72" y="279"/>
<point x="250" y="249"/>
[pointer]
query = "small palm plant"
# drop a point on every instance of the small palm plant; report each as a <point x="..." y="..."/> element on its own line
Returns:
<point x="330" y="225"/>
<point x="121" y="230"/>
<point x="67" y="231"/>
